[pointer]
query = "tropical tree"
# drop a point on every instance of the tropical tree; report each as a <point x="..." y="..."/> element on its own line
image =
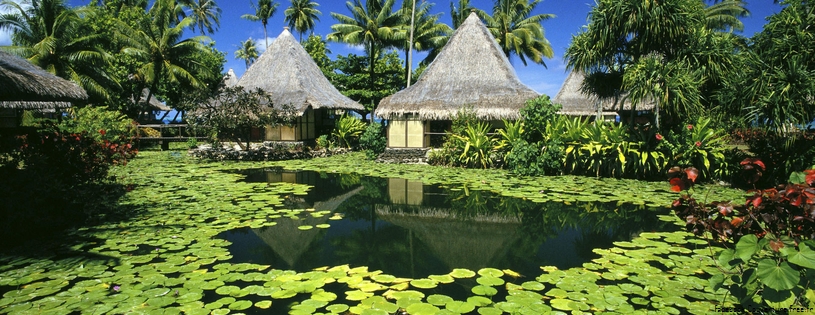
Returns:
<point x="206" y="13"/>
<point x="163" y="55"/>
<point x="264" y="11"/>
<point x="661" y="51"/>
<point x="372" y="24"/>
<point x="50" y="35"/>
<point x="317" y="48"/>
<point x="428" y="33"/>
<point x="723" y="15"/>
<point x="775" y="81"/>
<point x="460" y="13"/>
<point x="248" y="52"/>
<point x="301" y="16"/>
<point x="518" y="31"/>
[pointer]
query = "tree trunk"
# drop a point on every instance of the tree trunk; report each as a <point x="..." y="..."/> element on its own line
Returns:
<point x="410" y="43"/>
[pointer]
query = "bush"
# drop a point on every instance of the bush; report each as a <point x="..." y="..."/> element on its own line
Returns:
<point x="784" y="153"/>
<point x="769" y="255"/>
<point x="100" y="124"/>
<point x="373" y="140"/>
<point x="476" y="146"/>
<point x="348" y="130"/>
<point x="702" y="146"/>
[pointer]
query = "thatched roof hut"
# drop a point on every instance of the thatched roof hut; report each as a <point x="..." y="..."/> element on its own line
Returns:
<point x="576" y="103"/>
<point x="288" y="73"/>
<point x="26" y="86"/>
<point x="472" y="243"/>
<point x="288" y="241"/>
<point x="230" y="79"/>
<point x="470" y="71"/>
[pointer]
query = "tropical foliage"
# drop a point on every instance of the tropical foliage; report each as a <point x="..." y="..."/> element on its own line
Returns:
<point x="373" y="140"/>
<point x="248" y="52"/>
<point x="769" y="251"/>
<point x="264" y="10"/>
<point x="301" y="16"/>
<point x="348" y="130"/>
<point x="518" y="31"/>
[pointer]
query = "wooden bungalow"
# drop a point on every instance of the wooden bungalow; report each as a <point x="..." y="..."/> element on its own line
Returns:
<point x="470" y="72"/>
<point x="288" y="73"/>
<point x="28" y="87"/>
<point x="577" y="103"/>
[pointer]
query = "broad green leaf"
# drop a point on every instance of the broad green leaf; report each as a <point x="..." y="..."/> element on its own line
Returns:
<point x="777" y="276"/>
<point x="460" y="307"/>
<point x="747" y="247"/>
<point x="778" y="299"/>
<point x="804" y="258"/>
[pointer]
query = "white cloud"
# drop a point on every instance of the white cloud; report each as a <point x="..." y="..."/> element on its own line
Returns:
<point x="261" y="43"/>
<point x="355" y="48"/>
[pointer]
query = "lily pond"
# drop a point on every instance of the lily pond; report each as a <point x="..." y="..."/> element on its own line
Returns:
<point x="342" y="235"/>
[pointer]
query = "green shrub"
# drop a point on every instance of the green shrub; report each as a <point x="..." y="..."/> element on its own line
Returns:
<point x="534" y="159"/>
<point x="373" y="140"/>
<point x="537" y="114"/>
<point x="702" y="146"/>
<point x="511" y="133"/>
<point x="783" y="153"/>
<point x="192" y="143"/>
<point x="100" y="124"/>
<point x="323" y="142"/>
<point x="348" y="130"/>
<point x="476" y="146"/>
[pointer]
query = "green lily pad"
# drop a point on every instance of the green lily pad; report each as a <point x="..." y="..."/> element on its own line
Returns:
<point x="263" y="304"/>
<point x="438" y="299"/>
<point x="422" y="309"/>
<point x="460" y="307"/>
<point x="240" y="305"/>
<point x="462" y="273"/>
<point x="484" y="290"/>
<point x="424" y="283"/>
<point x="337" y="308"/>
<point x="305" y="227"/>
<point x="490" y="272"/>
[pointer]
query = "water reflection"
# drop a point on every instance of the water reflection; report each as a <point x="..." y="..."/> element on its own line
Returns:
<point x="408" y="229"/>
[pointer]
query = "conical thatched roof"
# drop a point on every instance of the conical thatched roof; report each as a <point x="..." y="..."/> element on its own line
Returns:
<point x="471" y="243"/>
<point x="230" y="79"/>
<point x="470" y="71"/>
<point x="23" y="85"/>
<point x="288" y="241"/>
<point x="578" y="104"/>
<point x="287" y="72"/>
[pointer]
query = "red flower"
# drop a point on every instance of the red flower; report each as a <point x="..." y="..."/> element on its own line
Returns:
<point x="698" y="144"/>
<point x="690" y="127"/>
<point x="102" y="132"/>
<point x="659" y="137"/>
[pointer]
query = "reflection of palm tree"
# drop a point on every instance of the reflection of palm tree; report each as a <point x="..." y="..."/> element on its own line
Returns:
<point x="386" y="249"/>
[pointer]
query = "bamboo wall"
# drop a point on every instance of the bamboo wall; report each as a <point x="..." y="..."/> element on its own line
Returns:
<point x="408" y="132"/>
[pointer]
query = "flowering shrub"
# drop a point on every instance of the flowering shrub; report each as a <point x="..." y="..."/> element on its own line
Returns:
<point x="700" y="145"/>
<point x="769" y="255"/>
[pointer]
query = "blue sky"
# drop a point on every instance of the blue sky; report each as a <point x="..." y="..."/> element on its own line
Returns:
<point x="570" y="17"/>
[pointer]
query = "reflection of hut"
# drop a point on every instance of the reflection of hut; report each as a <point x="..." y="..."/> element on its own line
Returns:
<point x="471" y="72"/>
<point x="25" y="86"/>
<point x="288" y="73"/>
<point x="288" y="241"/>
<point x="576" y="103"/>
<point x="460" y="242"/>
<point x="472" y="242"/>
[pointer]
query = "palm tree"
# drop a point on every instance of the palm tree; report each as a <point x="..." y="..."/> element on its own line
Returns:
<point x="264" y="11"/>
<point x="428" y="33"/>
<point x="159" y="47"/>
<point x="206" y="13"/>
<point x="301" y="16"/>
<point x="248" y="52"/>
<point x="519" y="32"/>
<point x="48" y="34"/>
<point x="373" y="24"/>
<point x="460" y="14"/>
<point x="724" y="15"/>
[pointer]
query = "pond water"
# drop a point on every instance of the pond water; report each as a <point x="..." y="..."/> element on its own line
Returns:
<point x="407" y="229"/>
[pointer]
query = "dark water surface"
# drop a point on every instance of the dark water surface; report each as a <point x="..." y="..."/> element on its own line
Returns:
<point x="408" y="229"/>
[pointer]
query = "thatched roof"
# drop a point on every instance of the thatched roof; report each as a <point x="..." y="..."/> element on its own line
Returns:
<point x="471" y="243"/>
<point x="288" y="73"/>
<point x="154" y="103"/>
<point x="288" y="241"/>
<point x="470" y="71"/>
<point x="576" y="103"/>
<point x="27" y="86"/>
<point x="230" y="79"/>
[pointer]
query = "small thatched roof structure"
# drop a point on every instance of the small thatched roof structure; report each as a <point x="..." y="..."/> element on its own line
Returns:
<point x="26" y="86"/>
<point x="288" y="73"/>
<point x="470" y="71"/>
<point x="154" y="103"/>
<point x="230" y="79"/>
<point x="576" y="103"/>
